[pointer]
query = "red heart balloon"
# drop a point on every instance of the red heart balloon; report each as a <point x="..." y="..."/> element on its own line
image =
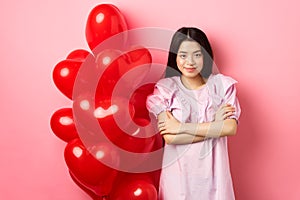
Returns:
<point x="62" y="124"/>
<point x="136" y="61"/>
<point x="64" y="75"/>
<point x="138" y="99"/>
<point x="158" y="145"/>
<point x="87" y="165"/>
<point x="78" y="54"/>
<point x="134" y="190"/>
<point x="65" y="72"/>
<point x="115" y="118"/>
<point x="125" y="177"/>
<point x="85" y="189"/>
<point x="104" y="21"/>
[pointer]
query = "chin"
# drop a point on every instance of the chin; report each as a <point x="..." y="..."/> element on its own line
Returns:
<point x="191" y="75"/>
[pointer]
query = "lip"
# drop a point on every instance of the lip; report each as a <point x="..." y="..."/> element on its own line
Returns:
<point x="189" y="69"/>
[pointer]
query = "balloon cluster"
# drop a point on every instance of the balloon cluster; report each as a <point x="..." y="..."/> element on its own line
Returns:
<point x="95" y="154"/>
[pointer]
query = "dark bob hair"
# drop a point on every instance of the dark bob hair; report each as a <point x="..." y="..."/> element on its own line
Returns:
<point x="191" y="34"/>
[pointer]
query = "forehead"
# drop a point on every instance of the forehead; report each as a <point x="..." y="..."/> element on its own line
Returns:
<point x="189" y="46"/>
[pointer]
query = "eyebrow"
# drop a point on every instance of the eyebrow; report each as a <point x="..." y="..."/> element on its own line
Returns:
<point x="193" y="52"/>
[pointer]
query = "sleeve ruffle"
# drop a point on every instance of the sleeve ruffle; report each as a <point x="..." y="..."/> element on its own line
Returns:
<point x="159" y="101"/>
<point x="226" y="89"/>
<point x="224" y="84"/>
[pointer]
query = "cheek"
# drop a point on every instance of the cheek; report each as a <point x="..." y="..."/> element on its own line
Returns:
<point x="200" y="61"/>
<point x="180" y="62"/>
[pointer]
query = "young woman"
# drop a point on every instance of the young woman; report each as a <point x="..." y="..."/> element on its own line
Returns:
<point x="196" y="111"/>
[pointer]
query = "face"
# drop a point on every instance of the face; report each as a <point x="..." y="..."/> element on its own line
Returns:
<point x="189" y="59"/>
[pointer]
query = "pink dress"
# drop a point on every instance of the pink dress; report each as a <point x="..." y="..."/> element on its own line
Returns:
<point x="198" y="171"/>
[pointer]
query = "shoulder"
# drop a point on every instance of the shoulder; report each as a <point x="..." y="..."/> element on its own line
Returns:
<point x="167" y="87"/>
<point x="221" y="83"/>
<point x="168" y="83"/>
<point x="221" y="78"/>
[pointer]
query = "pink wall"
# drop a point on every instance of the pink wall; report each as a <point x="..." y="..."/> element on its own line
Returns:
<point x="257" y="43"/>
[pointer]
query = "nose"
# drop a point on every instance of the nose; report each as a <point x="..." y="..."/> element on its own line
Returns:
<point x="190" y="60"/>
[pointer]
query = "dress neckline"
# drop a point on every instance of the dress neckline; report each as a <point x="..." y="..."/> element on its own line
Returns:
<point x="180" y="84"/>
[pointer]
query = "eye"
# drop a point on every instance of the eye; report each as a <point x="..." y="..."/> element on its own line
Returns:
<point x="198" y="54"/>
<point x="182" y="56"/>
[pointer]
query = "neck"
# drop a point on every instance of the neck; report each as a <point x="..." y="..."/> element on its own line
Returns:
<point x="193" y="83"/>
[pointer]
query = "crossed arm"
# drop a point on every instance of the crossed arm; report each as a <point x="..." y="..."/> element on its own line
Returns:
<point x="175" y="132"/>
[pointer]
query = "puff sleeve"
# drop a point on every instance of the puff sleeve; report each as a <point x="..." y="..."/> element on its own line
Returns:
<point x="227" y="90"/>
<point x="159" y="100"/>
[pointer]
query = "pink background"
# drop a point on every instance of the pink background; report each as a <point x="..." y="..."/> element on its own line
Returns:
<point x="257" y="43"/>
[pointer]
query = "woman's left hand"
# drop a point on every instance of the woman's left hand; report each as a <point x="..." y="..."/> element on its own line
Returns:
<point x="170" y="125"/>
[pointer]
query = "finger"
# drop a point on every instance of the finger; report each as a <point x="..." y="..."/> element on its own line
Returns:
<point x="160" y="126"/>
<point x="229" y="109"/>
<point x="225" y="105"/>
<point x="163" y="132"/>
<point x="228" y="106"/>
<point x="160" y="123"/>
<point x="169" y="114"/>
<point x="223" y="110"/>
<point x="162" y="129"/>
<point x="229" y="114"/>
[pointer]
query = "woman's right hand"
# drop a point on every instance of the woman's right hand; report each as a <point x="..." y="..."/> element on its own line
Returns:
<point x="224" y="112"/>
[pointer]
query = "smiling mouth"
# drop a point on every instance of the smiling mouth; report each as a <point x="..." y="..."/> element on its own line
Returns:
<point x="189" y="69"/>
